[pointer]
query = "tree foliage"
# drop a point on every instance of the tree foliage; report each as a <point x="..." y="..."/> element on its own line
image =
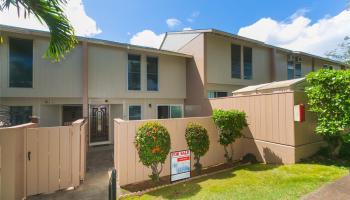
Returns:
<point x="329" y="97"/>
<point x="51" y="13"/>
<point x="230" y="124"/>
<point x="342" y="53"/>
<point x="198" y="142"/>
<point x="152" y="142"/>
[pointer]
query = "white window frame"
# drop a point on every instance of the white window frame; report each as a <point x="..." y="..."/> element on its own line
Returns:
<point x="181" y="105"/>
<point x="129" y="105"/>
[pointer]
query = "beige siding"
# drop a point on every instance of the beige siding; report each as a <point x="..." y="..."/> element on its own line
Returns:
<point x="218" y="58"/>
<point x="130" y="170"/>
<point x="50" y="79"/>
<point x="108" y="75"/>
<point x="270" y="116"/>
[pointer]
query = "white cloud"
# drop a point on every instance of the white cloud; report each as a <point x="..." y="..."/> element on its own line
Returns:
<point x="300" y="34"/>
<point x="193" y="16"/>
<point x="75" y="11"/>
<point x="187" y="29"/>
<point x="147" y="38"/>
<point x="173" y="22"/>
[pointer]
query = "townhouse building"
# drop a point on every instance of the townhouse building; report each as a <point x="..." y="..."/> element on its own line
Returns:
<point x="102" y="80"/>
<point x="223" y="62"/>
<point x="99" y="80"/>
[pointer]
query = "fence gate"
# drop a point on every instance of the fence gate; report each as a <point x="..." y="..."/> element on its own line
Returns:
<point x="52" y="159"/>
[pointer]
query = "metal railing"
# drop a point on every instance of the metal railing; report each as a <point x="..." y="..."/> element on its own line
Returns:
<point x="112" y="186"/>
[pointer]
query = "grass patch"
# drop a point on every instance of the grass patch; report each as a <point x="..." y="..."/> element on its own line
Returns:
<point x="257" y="181"/>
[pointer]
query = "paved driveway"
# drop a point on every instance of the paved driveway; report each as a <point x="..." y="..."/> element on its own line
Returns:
<point x="339" y="190"/>
<point x="95" y="186"/>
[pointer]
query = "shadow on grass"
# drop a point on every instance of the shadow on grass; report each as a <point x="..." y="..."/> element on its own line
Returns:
<point x="182" y="190"/>
<point x="189" y="189"/>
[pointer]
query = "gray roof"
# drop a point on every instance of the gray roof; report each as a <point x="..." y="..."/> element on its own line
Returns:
<point x="227" y="34"/>
<point x="93" y="40"/>
<point x="277" y="85"/>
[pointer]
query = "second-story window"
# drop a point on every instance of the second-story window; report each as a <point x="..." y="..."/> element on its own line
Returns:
<point x="152" y="74"/>
<point x="21" y="63"/>
<point x="290" y="69"/>
<point x="297" y="70"/>
<point x="248" y="63"/>
<point x="235" y="61"/>
<point x="134" y="72"/>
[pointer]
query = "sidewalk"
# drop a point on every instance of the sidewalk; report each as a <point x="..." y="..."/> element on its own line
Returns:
<point x="339" y="190"/>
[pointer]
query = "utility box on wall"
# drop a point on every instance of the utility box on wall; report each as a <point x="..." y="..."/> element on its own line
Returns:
<point x="299" y="113"/>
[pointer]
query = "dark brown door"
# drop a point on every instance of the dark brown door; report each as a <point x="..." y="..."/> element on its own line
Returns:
<point x="99" y="123"/>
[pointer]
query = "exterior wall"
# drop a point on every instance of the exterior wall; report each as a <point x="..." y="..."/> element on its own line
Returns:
<point x="196" y="97"/>
<point x="272" y="134"/>
<point x="218" y="58"/>
<point x="108" y="74"/>
<point x="270" y="116"/>
<point x="12" y="158"/>
<point x="50" y="79"/>
<point x="131" y="170"/>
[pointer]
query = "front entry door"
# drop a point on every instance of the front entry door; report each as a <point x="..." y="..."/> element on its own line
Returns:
<point x="99" y="123"/>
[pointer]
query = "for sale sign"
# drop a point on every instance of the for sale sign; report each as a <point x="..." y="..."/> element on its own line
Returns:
<point x="180" y="165"/>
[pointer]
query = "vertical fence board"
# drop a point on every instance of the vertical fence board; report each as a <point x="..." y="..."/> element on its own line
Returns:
<point x="122" y="160"/>
<point x="65" y="157"/>
<point x="138" y="164"/>
<point x="75" y="146"/>
<point x="131" y="152"/>
<point x="83" y="149"/>
<point x="54" y="158"/>
<point x="43" y="160"/>
<point x="32" y="164"/>
<point x="282" y="118"/>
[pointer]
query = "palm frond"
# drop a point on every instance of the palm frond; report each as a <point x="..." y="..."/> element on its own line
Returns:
<point x="51" y="13"/>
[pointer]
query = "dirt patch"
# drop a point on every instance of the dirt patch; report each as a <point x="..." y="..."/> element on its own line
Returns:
<point x="165" y="180"/>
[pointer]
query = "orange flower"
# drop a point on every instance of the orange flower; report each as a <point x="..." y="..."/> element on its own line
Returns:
<point x="156" y="150"/>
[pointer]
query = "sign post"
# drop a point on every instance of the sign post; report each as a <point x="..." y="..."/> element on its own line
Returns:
<point x="180" y="162"/>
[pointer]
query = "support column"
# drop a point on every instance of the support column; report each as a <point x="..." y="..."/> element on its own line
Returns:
<point x="85" y="80"/>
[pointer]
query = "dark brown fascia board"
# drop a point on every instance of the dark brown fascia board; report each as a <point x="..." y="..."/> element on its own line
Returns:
<point x="12" y="29"/>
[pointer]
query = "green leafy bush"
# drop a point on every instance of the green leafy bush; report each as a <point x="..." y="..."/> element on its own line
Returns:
<point x="230" y="124"/>
<point x="152" y="142"/>
<point x="198" y="142"/>
<point x="328" y="94"/>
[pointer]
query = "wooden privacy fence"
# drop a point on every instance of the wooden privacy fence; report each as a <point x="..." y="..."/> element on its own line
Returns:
<point x="55" y="157"/>
<point x="41" y="160"/>
<point x="130" y="170"/>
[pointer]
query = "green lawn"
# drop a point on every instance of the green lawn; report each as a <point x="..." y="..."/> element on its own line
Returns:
<point x="254" y="182"/>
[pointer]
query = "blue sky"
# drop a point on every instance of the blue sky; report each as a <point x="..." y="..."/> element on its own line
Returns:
<point x="313" y="26"/>
<point x="118" y="18"/>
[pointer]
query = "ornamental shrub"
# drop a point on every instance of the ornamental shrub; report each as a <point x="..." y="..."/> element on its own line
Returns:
<point x="328" y="93"/>
<point x="198" y="142"/>
<point x="230" y="124"/>
<point x="152" y="142"/>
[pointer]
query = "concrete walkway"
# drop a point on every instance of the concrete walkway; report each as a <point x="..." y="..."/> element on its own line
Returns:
<point x="339" y="190"/>
<point x="95" y="186"/>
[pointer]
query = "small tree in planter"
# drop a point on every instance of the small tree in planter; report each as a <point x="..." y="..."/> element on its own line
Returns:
<point x="230" y="124"/>
<point x="328" y="94"/>
<point x="152" y="142"/>
<point x="198" y="142"/>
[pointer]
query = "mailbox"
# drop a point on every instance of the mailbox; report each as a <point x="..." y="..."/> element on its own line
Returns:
<point x="299" y="113"/>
